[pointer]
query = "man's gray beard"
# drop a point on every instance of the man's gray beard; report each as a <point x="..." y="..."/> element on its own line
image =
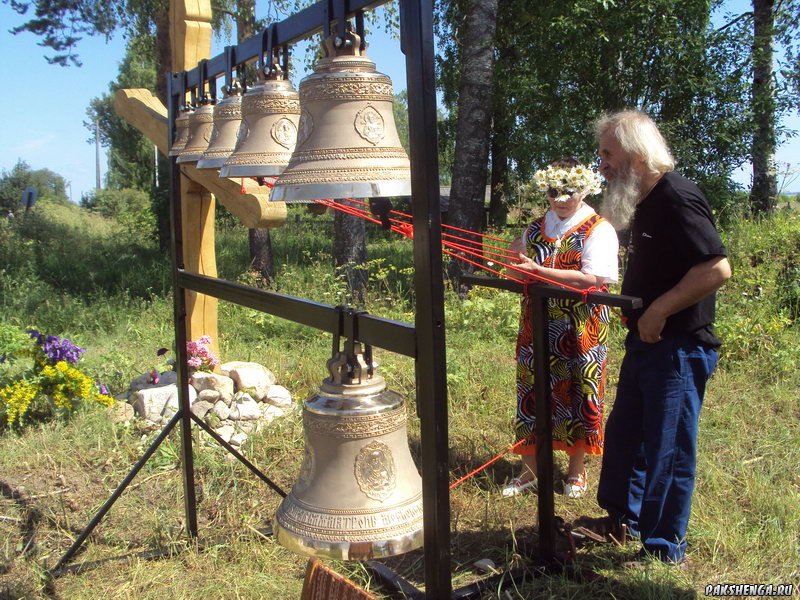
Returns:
<point x="621" y="197"/>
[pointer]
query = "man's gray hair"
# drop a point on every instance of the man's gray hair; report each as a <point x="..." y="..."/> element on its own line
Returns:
<point x="638" y="135"/>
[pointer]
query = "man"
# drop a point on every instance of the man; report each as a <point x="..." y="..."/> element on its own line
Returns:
<point x="676" y="262"/>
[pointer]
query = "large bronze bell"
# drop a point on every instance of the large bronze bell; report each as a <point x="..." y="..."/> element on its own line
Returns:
<point x="201" y="121"/>
<point x="358" y="495"/>
<point x="347" y="143"/>
<point x="227" y="119"/>
<point x="268" y="133"/>
<point x="181" y="133"/>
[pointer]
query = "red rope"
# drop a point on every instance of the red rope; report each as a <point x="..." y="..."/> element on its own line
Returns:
<point x="486" y="464"/>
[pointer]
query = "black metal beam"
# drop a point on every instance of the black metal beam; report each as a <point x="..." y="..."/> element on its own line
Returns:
<point x="59" y="566"/>
<point x="376" y="331"/>
<point x="297" y="27"/>
<point x="179" y="315"/>
<point x="416" y="24"/>
<point x="553" y="291"/>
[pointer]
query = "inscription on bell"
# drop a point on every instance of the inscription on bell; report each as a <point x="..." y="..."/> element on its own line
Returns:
<point x="375" y="471"/>
<point x="369" y="125"/>
<point x="284" y="132"/>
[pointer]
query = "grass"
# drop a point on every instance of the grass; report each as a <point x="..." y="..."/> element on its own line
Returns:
<point x="745" y="523"/>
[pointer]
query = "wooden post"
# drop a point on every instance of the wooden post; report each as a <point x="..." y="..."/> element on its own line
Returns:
<point x="190" y="36"/>
<point x="198" y="206"/>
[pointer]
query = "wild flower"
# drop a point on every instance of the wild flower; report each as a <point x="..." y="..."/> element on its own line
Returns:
<point x="51" y="385"/>
<point x="200" y="354"/>
<point x="55" y="349"/>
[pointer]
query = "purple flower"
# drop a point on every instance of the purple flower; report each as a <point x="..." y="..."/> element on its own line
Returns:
<point x="55" y="349"/>
<point x="161" y="352"/>
<point x="103" y="388"/>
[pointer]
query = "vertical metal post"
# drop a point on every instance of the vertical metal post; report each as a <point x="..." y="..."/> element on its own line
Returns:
<point x="417" y="41"/>
<point x="544" y="427"/>
<point x="179" y="302"/>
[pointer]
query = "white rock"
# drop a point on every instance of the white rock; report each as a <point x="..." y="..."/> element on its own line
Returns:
<point x="269" y="413"/>
<point x="143" y="381"/>
<point x="237" y="439"/>
<point x="278" y="395"/>
<point x="250" y="376"/>
<point x="203" y="380"/>
<point x="172" y="403"/>
<point x="246" y="426"/>
<point x="221" y="410"/>
<point x="225" y="432"/>
<point x="200" y="408"/>
<point x="149" y="403"/>
<point x="210" y="396"/>
<point x="244" y="408"/>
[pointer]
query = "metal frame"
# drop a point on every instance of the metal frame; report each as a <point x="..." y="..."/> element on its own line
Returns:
<point x="424" y="341"/>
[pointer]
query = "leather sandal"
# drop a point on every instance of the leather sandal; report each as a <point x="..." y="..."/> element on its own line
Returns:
<point x="516" y="486"/>
<point x="603" y="530"/>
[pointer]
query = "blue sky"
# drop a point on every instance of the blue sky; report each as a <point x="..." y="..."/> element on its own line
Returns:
<point x="46" y="104"/>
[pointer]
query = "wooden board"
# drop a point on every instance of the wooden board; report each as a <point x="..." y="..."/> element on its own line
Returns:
<point x="141" y="109"/>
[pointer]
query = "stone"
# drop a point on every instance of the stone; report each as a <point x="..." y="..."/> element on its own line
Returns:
<point x="149" y="403"/>
<point x="201" y="408"/>
<point x="226" y="432"/>
<point x="237" y="439"/>
<point x="203" y="380"/>
<point x="277" y="395"/>
<point x="249" y="376"/>
<point x="269" y="413"/>
<point x="247" y="426"/>
<point x="210" y="396"/>
<point x="221" y="410"/>
<point x="244" y="408"/>
<point x="172" y="403"/>
<point x="143" y="381"/>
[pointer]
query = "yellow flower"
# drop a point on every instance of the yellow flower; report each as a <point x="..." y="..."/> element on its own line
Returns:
<point x="16" y="398"/>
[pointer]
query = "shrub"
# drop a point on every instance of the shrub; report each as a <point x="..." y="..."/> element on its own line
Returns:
<point x="50" y="385"/>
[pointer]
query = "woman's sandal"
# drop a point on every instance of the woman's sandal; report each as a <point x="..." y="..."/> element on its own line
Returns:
<point x="516" y="486"/>
<point x="575" y="487"/>
<point x="604" y="530"/>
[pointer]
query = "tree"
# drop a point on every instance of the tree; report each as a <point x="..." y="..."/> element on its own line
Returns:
<point x="473" y="128"/>
<point x="561" y="66"/>
<point x="49" y="186"/>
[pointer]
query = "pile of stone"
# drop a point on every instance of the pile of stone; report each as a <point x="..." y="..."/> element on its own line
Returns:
<point x="239" y="400"/>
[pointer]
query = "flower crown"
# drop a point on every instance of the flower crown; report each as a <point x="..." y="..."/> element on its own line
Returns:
<point x="567" y="181"/>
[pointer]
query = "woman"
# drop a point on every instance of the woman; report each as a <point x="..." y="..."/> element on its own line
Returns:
<point x="574" y="246"/>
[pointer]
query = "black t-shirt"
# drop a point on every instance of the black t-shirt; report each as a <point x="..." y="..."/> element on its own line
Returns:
<point x="672" y="231"/>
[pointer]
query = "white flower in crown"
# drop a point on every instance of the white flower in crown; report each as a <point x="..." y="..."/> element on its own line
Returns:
<point x="568" y="181"/>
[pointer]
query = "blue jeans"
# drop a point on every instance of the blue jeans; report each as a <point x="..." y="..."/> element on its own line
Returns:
<point x="649" y="458"/>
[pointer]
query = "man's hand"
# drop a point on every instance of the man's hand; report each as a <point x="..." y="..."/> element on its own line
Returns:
<point x="650" y="325"/>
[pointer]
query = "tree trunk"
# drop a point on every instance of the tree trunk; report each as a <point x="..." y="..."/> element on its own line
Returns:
<point x="261" y="253"/>
<point x="763" y="195"/>
<point x="473" y="128"/>
<point x="501" y="131"/>
<point x="350" y="254"/>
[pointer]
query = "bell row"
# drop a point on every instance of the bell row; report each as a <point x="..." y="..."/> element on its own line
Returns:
<point x="336" y="139"/>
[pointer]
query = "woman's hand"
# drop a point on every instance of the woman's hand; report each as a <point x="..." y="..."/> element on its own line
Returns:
<point x="527" y="264"/>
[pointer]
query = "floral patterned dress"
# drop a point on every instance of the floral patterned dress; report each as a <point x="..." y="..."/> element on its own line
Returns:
<point x="577" y="351"/>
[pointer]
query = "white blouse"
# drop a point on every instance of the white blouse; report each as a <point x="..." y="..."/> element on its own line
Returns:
<point x="600" y="249"/>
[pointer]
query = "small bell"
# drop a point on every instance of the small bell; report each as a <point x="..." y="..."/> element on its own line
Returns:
<point x="181" y="133"/>
<point x="268" y="133"/>
<point x="227" y="119"/>
<point x="201" y="122"/>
